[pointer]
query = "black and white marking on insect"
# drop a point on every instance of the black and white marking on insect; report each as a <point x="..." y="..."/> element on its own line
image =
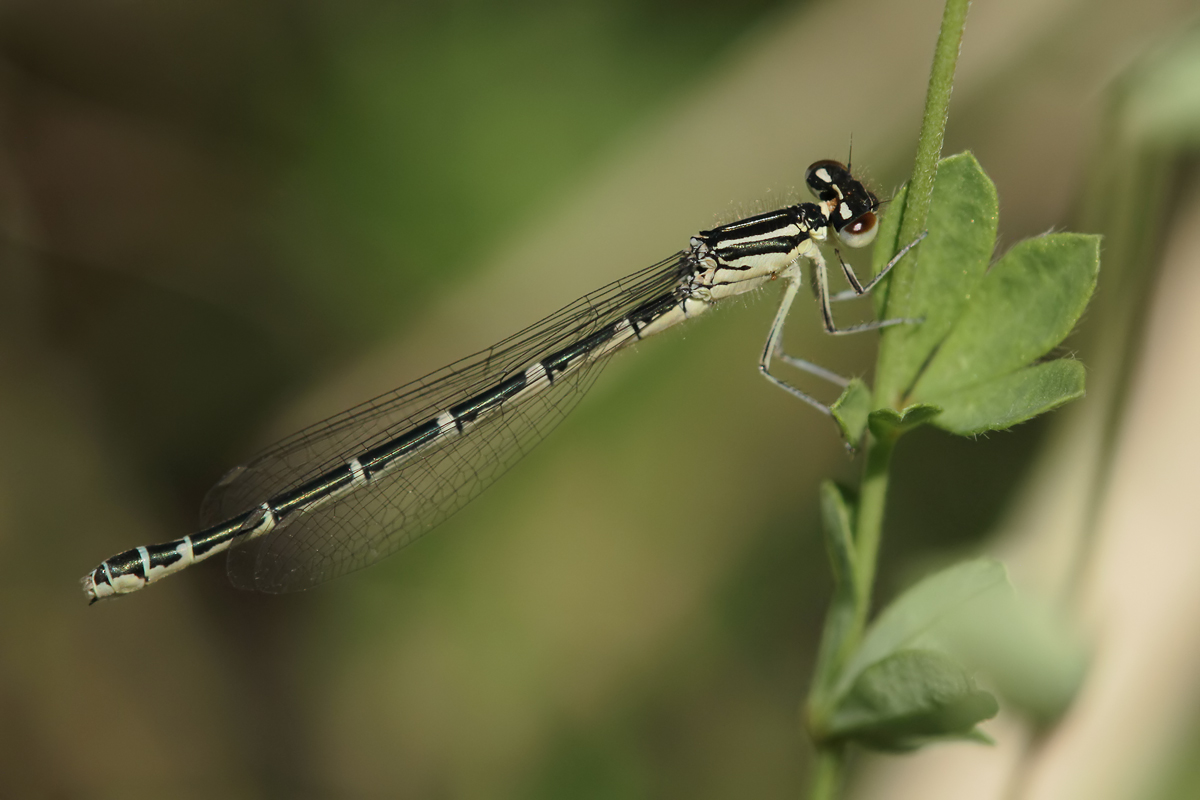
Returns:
<point x="348" y="491"/>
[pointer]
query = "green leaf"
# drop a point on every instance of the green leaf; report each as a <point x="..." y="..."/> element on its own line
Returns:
<point x="885" y="422"/>
<point x="948" y="265"/>
<point x="971" y="612"/>
<point x="839" y="619"/>
<point x="1003" y="402"/>
<point x="908" y="699"/>
<point x="839" y="539"/>
<point x="979" y="330"/>
<point x="916" y="612"/>
<point x="1025" y="306"/>
<point x="1030" y="653"/>
<point x="897" y="692"/>
<point x="851" y="409"/>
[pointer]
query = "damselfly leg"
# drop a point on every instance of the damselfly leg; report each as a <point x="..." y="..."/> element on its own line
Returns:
<point x="774" y="346"/>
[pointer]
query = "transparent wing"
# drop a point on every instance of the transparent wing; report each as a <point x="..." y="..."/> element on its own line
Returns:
<point x="398" y="507"/>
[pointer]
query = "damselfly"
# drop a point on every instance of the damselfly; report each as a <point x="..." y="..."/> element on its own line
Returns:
<point x="348" y="491"/>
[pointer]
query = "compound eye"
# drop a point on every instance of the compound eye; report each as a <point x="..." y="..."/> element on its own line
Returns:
<point x="861" y="230"/>
<point x="823" y="176"/>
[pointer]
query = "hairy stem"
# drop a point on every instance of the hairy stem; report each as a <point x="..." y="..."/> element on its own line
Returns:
<point x="920" y="190"/>
<point x="868" y="521"/>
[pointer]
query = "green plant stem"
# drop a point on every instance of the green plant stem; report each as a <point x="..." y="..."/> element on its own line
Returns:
<point x="873" y="494"/>
<point x="872" y="500"/>
<point x="920" y="189"/>
<point x="827" y="772"/>
<point x="868" y="525"/>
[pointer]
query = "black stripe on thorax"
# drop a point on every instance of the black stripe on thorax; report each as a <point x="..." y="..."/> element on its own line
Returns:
<point x="758" y="225"/>
<point x="732" y="251"/>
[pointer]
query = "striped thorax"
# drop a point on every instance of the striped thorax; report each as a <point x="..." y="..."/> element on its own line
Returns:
<point x="742" y="255"/>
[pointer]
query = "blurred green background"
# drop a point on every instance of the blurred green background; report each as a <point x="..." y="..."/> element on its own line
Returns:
<point x="221" y="221"/>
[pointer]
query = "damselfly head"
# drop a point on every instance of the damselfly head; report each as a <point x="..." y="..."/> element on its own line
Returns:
<point x="849" y="205"/>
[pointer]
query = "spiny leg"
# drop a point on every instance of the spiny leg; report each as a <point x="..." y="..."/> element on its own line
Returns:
<point x="822" y="281"/>
<point x="774" y="346"/>
<point x="812" y="369"/>
<point x="857" y="289"/>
